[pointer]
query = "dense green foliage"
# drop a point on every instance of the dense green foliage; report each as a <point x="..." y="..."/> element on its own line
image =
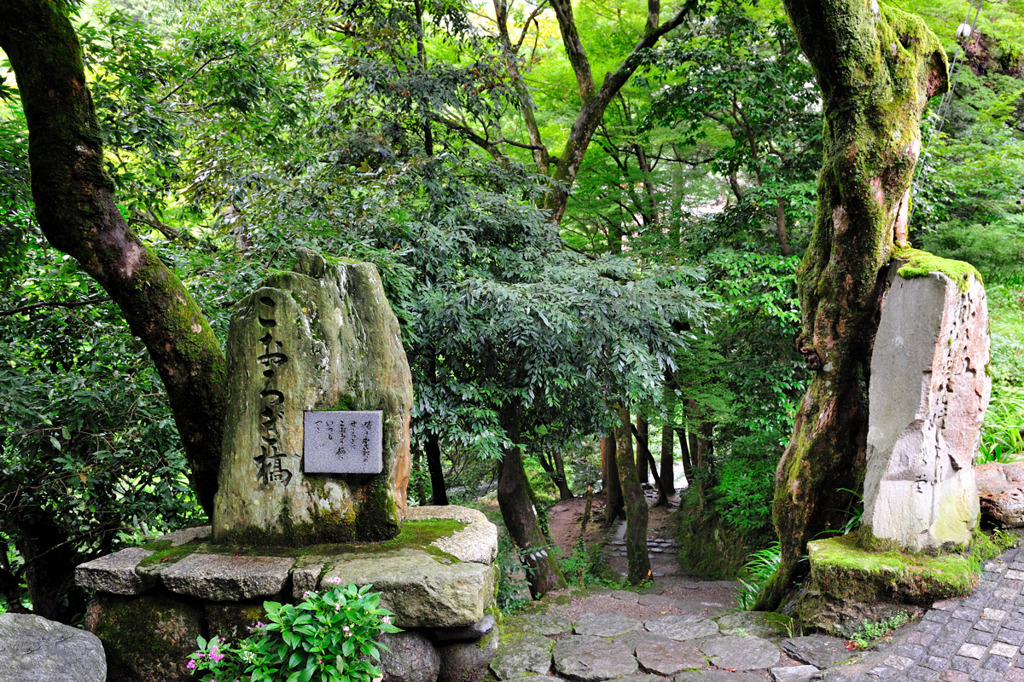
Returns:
<point x="398" y="132"/>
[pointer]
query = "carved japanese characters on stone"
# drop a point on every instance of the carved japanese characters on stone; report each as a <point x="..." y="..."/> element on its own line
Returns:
<point x="319" y="340"/>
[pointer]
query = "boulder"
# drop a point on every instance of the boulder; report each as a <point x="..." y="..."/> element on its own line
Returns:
<point x="408" y="657"/>
<point x="468" y="661"/>
<point x="34" y="649"/>
<point x="321" y="338"/>
<point x="1001" y="492"/>
<point x="929" y="391"/>
<point x="420" y="589"/>
<point x="148" y="638"/>
<point x="523" y="655"/>
<point x="477" y="542"/>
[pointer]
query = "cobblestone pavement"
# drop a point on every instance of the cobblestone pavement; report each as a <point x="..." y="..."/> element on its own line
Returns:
<point x="977" y="638"/>
<point x="668" y="635"/>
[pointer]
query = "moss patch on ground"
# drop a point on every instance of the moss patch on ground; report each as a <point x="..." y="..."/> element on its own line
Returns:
<point x="921" y="264"/>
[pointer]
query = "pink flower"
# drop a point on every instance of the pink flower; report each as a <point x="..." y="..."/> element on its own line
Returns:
<point x="378" y="679"/>
<point x="387" y="620"/>
<point x="344" y="628"/>
<point x="191" y="665"/>
<point x="334" y="581"/>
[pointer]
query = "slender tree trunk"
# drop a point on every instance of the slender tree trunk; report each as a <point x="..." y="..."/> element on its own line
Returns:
<point x="517" y="512"/>
<point x="432" y="449"/>
<point x="636" y="504"/>
<point x="614" y="506"/>
<point x="668" y="483"/>
<point x="74" y="202"/>
<point x="685" y="450"/>
<point x="875" y="74"/>
<point x="642" y="449"/>
<point x="780" y="227"/>
<point x="564" y="493"/>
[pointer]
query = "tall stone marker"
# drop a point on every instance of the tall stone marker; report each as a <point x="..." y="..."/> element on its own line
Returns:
<point x="316" y="445"/>
<point x="929" y="391"/>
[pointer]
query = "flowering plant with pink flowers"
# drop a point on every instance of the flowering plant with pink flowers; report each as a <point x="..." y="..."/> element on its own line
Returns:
<point x="328" y="637"/>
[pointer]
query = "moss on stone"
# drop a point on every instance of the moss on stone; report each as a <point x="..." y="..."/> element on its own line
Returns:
<point x="921" y="264"/>
<point x="842" y="568"/>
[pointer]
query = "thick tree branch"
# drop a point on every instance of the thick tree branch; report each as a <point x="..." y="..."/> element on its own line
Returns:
<point x="75" y="207"/>
<point x="52" y="304"/>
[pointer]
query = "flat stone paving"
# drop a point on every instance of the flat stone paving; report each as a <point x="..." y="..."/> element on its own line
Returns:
<point x="978" y="638"/>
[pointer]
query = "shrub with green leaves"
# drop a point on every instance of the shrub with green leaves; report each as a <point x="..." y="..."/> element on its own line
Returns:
<point x="329" y="636"/>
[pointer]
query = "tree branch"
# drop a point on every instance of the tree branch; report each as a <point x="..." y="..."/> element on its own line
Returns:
<point x="52" y="304"/>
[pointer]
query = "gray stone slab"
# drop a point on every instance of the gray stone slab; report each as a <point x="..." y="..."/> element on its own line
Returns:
<point x="626" y="596"/>
<point x="657" y="601"/>
<point x="682" y="627"/>
<point x="757" y="623"/>
<point x="420" y="589"/>
<point x="115" y="573"/>
<point x="605" y="624"/>
<point x="470" y="633"/>
<point x="33" y="649"/>
<point x="522" y="656"/>
<point x="543" y="624"/>
<point x="218" y="577"/>
<point x="733" y="652"/>
<point x="796" y="673"/>
<point x="342" y="442"/>
<point x="717" y="676"/>
<point x="820" y="651"/>
<point x="477" y="542"/>
<point x="590" y="659"/>
<point x="667" y="657"/>
<point x="306" y="578"/>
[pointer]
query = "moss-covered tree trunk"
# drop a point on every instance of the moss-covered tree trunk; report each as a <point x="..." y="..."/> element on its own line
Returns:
<point x="876" y="74"/>
<point x="518" y="513"/>
<point x="638" y="561"/>
<point x="74" y="202"/>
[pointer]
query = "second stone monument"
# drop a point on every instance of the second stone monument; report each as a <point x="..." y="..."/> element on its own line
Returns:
<point x="316" y="445"/>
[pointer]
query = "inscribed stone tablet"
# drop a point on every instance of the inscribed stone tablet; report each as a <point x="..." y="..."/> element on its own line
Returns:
<point x="342" y="442"/>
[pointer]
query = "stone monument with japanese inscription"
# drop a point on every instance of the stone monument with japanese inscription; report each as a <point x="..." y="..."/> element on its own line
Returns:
<point x="316" y="445"/>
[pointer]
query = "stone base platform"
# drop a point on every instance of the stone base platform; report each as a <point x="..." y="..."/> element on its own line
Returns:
<point x="437" y="577"/>
<point x="849" y="584"/>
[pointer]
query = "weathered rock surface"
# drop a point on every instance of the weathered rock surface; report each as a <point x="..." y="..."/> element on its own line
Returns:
<point x="682" y="627"/>
<point x="589" y="659"/>
<point x="821" y="651"/>
<point x="34" y="649"/>
<point x="115" y="573"/>
<point x="928" y="395"/>
<point x="544" y="624"/>
<point x="796" y="673"/>
<point x="605" y="625"/>
<point x="408" y="657"/>
<point x="185" y="535"/>
<point x="136" y="650"/>
<point x="667" y="657"/>
<point x="232" y="621"/>
<point x="320" y="338"/>
<point x="468" y="661"/>
<point x="733" y="652"/>
<point x="717" y="676"/>
<point x="470" y="633"/>
<point x="219" y="577"/>
<point x="523" y="655"/>
<point x="477" y="542"/>
<point x="756" y="623"/>
<point x="1001" y="492"/>
<point x="420" y="589"/>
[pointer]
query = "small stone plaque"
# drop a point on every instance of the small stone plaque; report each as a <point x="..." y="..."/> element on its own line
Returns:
<point x="342" y="442"/>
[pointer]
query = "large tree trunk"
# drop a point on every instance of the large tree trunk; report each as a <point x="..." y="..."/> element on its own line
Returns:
<point x="50" y="560"/>
<point x="875" y="74"/>
<point x="432" y="449"/>
<point x="638" y="561"/>
<point x="74" y="203"/>
<point x="613" y="504"/>
<point x="518" y="514"/>
<point x="685" y="450"/>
